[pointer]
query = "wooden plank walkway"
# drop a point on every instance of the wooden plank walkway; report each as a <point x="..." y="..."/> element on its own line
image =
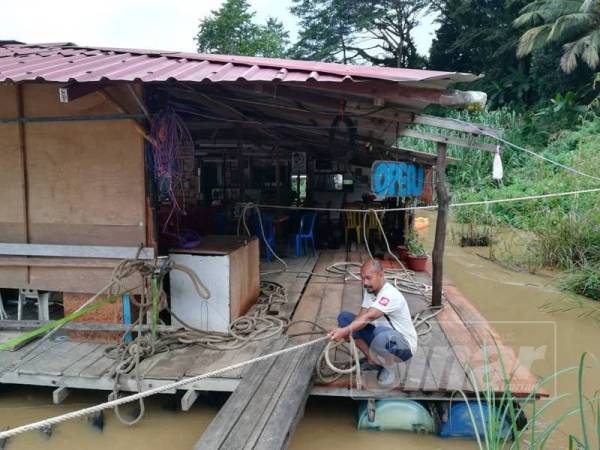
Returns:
<point x="263" y="411"/>
<point x="265" y="408"/>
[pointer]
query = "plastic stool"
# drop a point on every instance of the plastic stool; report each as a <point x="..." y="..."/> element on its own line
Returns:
<point x="42" y="299"/>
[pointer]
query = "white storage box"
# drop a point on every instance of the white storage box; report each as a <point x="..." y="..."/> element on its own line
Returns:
<point x="229" y="267"/>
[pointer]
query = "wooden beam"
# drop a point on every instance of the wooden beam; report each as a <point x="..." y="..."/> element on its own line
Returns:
<point x="74" y="91"/>
<point x="328" y="102"/>
<point x="446" y="140"/>
<point x="419" y="155"/>
<point x="76" y="251"/>
<point x="305" y="97"/>
<point x="93" y="118"/>
<point x="226" y="110"/>
<point x="59" y="395"/>
<point x="24" y="325"/>
<point x="443" y="197"/>
<point x="113" y="101"/>
<point x="188" y="399"/>
<point x="139" y="101"/>
<point x="449" y="124"/>
<point x="25" y="261"/>
<point x="400" y="94"/>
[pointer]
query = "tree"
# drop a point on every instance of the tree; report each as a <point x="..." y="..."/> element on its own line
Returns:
<point x="377" y="32"/>
<point x="230" y="30"/>
<point x="477" y="36"/>
<point x="328" y="29"/>
<point x="574" y="23"/>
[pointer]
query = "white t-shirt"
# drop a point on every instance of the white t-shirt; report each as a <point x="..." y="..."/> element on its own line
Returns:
<point x="391" y="302"/>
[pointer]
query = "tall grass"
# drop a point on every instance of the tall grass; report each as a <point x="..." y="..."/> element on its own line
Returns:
<point x="505" y="408"/>
<point x="583" y="281"/>
<point x="565" y="230"/>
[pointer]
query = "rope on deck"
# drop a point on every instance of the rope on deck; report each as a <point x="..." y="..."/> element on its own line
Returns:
<point x="141" y="395"/>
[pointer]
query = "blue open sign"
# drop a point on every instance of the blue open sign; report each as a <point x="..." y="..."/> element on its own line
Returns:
<point x="391" y="179"/>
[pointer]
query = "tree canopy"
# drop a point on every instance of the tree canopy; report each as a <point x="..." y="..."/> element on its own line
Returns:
<point x="231" y="30"/>
<point x="519" y="45"/>
<point x="367" y="31"/>
<point x="574" y="23"/>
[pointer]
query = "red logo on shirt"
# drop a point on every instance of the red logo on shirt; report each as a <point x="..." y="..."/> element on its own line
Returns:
<point x="383" y="301"/>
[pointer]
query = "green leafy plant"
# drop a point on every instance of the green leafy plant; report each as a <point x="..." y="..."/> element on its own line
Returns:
<point x="505" y="408"/>
<point x="414" y="245"/>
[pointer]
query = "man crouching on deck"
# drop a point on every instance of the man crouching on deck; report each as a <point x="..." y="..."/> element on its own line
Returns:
<point x="383" y="325"/>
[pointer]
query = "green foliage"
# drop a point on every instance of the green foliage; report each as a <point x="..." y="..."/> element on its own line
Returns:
<point x="477" y="36"/>
<point x="329" y="30"/>
<point x="574" y="23"/>
<point x="505" y="409"/>
<point x="571" y="241"/>
<point x="563" y="232"/>
<point x="230" y="30"/>
<point x="414" y="245"/>
<point x="583" y="281"/>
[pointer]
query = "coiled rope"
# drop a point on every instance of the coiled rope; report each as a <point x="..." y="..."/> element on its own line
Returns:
<point x="129" y="355"/>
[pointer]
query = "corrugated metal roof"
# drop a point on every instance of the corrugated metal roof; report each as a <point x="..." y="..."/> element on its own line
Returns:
<point x="66" y="62"/>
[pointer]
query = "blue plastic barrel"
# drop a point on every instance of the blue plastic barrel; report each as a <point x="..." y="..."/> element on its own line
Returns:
<point x="461" y="418"/>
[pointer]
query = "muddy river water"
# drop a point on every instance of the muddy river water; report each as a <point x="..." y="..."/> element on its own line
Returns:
<point x="513" y="300"/>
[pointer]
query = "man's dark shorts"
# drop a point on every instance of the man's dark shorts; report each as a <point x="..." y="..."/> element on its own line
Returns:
<point x="380" y="339"/>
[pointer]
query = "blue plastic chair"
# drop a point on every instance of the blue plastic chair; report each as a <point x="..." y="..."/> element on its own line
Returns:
<point x="306" y="234"/>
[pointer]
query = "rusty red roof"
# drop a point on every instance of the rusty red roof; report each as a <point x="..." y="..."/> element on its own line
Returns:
<point x="67" y="62"/>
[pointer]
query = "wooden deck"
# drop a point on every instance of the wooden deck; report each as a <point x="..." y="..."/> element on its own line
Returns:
<point x="439" y="368"/>
<point x="59" y="362"/>
<point x="459" y="352"/>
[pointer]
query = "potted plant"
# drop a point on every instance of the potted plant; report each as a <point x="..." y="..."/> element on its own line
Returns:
<point x="402" y="252"/>
<point x="417" y="257"/>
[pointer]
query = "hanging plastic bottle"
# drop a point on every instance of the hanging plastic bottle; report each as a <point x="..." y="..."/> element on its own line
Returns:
<point x="497" y="170"/>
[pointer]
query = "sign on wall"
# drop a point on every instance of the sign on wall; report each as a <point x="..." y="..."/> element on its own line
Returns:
<point x="391" y="179"/>
<point x="298" y="162"/>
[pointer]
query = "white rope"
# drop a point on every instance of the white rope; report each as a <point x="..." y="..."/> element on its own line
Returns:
<point x="242" y="221"/>
<point x="434" y="207"/>
<point x="352" y="367"/>
<point x="130" y="398"/>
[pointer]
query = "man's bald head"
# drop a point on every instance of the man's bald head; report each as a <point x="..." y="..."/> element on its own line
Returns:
<point x="372" y="276"/>
<point x="372" y="265"/>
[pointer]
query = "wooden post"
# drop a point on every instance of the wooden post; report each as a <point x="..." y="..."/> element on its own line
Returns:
<point x="443" y="196"/>
<point x="277" y="174"/>
<point x="23" y="155"/>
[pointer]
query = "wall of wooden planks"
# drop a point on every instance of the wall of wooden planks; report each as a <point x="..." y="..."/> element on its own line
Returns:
<point x="77" y="182"/>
